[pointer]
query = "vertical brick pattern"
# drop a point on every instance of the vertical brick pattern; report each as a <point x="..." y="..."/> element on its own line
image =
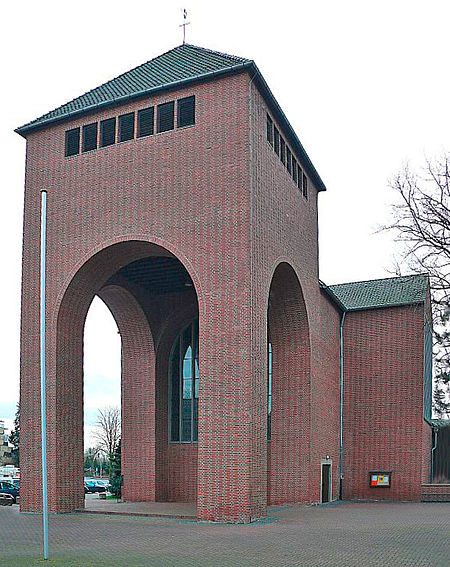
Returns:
<point x="289" y="446"/>
<point x="217" y="197"/>
<point x="182" y="479"/>
<point x="284" y="229"/>
<point x="383" y="381"/>
<point x="182" y="193"/>
<point x="138" y="394"/>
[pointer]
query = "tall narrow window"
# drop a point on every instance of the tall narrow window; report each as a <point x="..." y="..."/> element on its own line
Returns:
<point x="294" y="170"/>
<point x="145" y="122"/>
<point x="184" y="386"/>
<point x="276" y="140"/>
<point x="186" y="111"/>
<point x="282" y="150"/>
<point x="126" y="127"/>
<point x="269" y="130"/>
<point x="269" y="391"/>
<point x="90" y="137"/>
<point x="107" y="132"/>
<point x="288" y="160"/>
<point x="72" y="145"/>
<point x="305" y="186"/>
<point x="299" y="177"/>
<point x="165" y="116"/>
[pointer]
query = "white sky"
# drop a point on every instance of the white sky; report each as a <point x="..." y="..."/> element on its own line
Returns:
<point x="365" y="85"/>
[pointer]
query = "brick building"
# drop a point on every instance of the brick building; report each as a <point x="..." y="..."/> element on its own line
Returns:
<point x="180" y="194"/>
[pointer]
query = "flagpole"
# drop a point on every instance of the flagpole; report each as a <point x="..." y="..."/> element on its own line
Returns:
<point x="42" y="364"/>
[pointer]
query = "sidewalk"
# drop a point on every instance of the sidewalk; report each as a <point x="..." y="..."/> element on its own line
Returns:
<point x="336" y="535"/>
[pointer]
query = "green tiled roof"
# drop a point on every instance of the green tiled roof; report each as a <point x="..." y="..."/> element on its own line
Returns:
<point x="180" y="66"/>
<point x="375" y="294"/>
<point x="183" y="63"/>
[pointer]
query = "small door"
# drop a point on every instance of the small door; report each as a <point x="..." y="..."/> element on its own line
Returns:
<point x="326" y="483"/>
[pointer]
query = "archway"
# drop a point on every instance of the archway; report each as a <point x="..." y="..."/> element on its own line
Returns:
<point x="289" y="362"/>
<point x="145" y="287"/>
<point x="102" y="370"/>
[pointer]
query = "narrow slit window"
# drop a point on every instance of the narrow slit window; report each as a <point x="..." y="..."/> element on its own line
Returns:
<point x="90" y="137"/>
<point x="283" y="151"/>
<point x="126" y="127"/>
<point x="294" y="170"/>
<point x="145" y="122"/>
<point x="276" y="141"/>
<point x="72" y="142"/>
<point x="289" y="160"/>
<point x="165" y="117"/>
<point x="107" y="132"/>
<point x="269" y="130"/>
<point x="186" y="111"/>
<point x="299" y="177"/>
<point x="305" y="186"/>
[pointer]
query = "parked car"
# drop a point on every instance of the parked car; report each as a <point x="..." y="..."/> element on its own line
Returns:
<point x="6" y="499"/>
<point x="93" y="486"/>
<point x="7" y="487"/>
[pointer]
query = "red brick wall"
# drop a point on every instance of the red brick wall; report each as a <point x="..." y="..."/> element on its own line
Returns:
<point x="290" y="439"/>
<point x="187" y="191"/>
<point x="217" y="197"/>
<point x="383" y="395"/>
<point x="182" y="479"/>
<point x="138" y="394"/>
<point x="284" y="227"/>
<point x="436" y="493"/>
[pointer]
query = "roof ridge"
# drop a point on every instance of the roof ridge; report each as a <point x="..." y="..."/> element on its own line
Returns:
<point x="213" y="51"/>
<point x="110" y="83"/>
<point x="378" y="279"/>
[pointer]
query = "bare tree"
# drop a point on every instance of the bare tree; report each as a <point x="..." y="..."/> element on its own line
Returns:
<point x="421" y="221"/>
<point x="108" y="431"/>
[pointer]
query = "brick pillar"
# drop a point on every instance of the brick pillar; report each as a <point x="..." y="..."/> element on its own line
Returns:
<point x="232" y="446"/>
<point x="138" y="394"/>
<point x="66" y="312"/>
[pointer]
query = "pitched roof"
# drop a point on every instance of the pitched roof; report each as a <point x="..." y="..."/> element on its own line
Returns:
<point x="181" y="65"/>
<point x="185" y="62"/>
<point x="373" y="294"/>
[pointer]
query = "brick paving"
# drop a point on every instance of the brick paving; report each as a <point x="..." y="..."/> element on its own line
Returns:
<point x="341" y="534"/>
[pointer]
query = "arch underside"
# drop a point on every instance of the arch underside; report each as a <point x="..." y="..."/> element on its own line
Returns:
<point x="289" y="446"/>
<point x="151" y="296"/>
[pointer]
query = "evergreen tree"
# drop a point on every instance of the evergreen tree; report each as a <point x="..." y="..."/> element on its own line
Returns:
<point x="14" y="437"/>
<point x="115" y="472"/>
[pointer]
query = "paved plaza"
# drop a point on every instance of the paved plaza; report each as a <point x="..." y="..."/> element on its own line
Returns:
<point x="339" y="534"/>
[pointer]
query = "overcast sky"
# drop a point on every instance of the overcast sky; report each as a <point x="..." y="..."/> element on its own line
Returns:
<point x="365" y="85"/>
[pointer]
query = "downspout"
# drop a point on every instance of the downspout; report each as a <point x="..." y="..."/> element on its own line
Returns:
<point x="341" y="398"/>
<point x="433" y="449"/>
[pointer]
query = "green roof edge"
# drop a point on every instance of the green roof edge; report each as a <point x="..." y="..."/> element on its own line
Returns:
<point x="327" y="289"/>
<point x="248" y="65"/>
<point x="31" y="126"/>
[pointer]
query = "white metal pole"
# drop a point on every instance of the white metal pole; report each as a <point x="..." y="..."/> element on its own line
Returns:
<point x="42" y="361"/>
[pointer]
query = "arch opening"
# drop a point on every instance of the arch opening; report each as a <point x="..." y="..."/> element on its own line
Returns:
<point x="151" y="295"/>
<point x="288" y="390"/>
<point x="102" y="385"/>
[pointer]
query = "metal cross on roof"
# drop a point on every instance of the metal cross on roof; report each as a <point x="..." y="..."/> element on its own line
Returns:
<point x="184" y="24"/>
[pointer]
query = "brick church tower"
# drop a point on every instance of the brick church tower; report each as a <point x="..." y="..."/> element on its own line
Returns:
<point x="179" y="194"/>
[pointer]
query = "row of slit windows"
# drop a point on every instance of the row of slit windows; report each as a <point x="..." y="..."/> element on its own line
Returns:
<point x="286" y="156"/>
<point x="125" y="127"/>
<point x="184" y="387"/>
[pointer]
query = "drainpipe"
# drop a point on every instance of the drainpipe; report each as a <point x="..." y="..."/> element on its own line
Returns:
<point x="433" y="449"/>
<point x="341" y="398"/>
